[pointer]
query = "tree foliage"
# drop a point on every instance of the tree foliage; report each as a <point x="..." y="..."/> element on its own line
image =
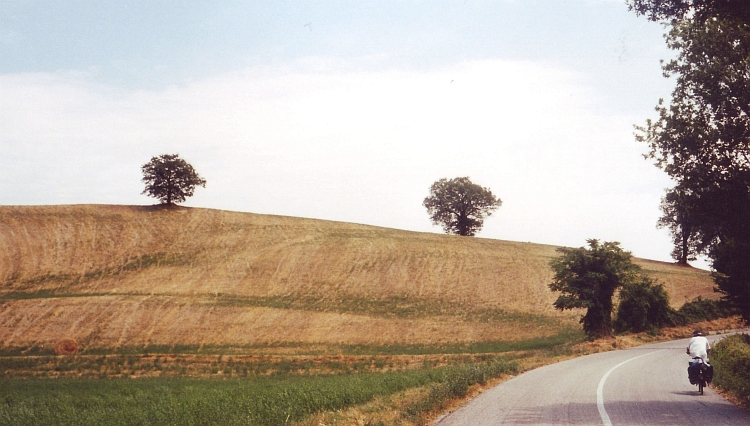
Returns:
<point x="588" y="278"/>
<point x="678" y="208"/>
<point x="170" y="179"/>
<point x="460" y="206"/>
<point x="643" y="306"/>
<point x="731" y="264"/>
<point x="700" y="10"/>
<point x="700" y="309"/>
<point x="701" y="137"/>
<point x="702" y="140"/>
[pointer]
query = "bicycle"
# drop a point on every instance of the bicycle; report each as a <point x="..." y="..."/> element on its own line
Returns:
<point x="700" y="373"/>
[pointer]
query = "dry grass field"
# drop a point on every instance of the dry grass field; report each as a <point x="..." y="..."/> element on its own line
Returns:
<point x="126" y="276"/>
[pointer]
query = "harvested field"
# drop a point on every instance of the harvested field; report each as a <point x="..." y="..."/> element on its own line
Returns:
<point x="115" y="321"/>
<point x="123" y="276"/>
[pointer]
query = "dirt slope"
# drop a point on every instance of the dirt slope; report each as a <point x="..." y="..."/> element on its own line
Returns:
<point x="122" y="275"/>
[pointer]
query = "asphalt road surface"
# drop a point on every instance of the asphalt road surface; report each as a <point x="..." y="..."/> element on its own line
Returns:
<point x="646" y="385"/>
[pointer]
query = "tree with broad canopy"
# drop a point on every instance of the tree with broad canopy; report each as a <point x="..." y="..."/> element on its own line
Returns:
<point x="460" y="206"/>
<point x="588" y="278"/>
<point x="170" y="179"/>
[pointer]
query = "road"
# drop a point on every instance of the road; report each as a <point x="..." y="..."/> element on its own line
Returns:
<point x="646" y="385"/>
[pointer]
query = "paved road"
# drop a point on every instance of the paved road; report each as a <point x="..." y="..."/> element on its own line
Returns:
<point x="646" y="385"/>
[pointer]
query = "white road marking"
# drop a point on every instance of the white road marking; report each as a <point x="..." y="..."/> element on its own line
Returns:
<point x="600" y="388"/>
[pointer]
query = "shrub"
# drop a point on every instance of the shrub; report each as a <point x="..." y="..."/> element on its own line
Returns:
<point x="731" y="360"/>
<point x="644" y="306"/>
<point x="700" y="309"/>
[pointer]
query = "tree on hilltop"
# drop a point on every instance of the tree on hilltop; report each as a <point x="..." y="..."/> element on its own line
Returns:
<point x="460" y="206"/>
<point x="170" y="179"/>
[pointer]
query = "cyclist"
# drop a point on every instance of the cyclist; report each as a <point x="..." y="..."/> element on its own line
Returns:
<point x="698" y="347"/>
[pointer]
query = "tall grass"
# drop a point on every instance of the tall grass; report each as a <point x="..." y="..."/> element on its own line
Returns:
<point x="262" y="401"/>
<point x="455" y="384"/>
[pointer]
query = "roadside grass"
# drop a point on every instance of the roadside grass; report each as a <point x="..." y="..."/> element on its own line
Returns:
<point x="260" y="401"/>
<point x="731" y="360"/>
<point x="455" y="385"/>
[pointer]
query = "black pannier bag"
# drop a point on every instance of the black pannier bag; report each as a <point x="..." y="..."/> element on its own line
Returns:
<point x="693" y="369"/>
<point x="708" y="372"/>
<point x="693" y="373"/>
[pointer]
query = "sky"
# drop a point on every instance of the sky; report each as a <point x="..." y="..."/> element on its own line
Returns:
<point x="344" y="111"/>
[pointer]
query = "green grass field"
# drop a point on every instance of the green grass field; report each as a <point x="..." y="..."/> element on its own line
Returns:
<point x="259" y="401"/>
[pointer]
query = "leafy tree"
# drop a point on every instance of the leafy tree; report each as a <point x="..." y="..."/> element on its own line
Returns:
<point x="700" y="10"/>
<point x="170" y="179"/>
<point x="644" y="305"/>
<point x="460" y="206"/>
<point x="588" y="278"/>
<point x="701" y="140"/>
<point x="678" y="214"/>
<point x="731" y="264"/>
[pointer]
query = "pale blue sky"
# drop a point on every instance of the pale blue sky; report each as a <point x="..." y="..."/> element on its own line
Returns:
<point x="149" y="44"/>
<point x="342" y="110"/>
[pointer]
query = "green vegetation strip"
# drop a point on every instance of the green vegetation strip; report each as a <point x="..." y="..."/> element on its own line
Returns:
<point x="393" y="307"/>
<point x="262" y="401"/>
<point x="397" y="306"/>
<point x="731" y="360"/>
<point x="556" y="342"/>
<point x="127" y="366"/>
<point x="47" y="294"/>
<point x="563" y="339"/>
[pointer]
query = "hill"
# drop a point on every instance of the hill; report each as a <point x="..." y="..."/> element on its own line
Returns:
<point x="126" y="276"/>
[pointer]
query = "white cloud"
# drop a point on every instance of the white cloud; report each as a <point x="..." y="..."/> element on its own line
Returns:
<point x="338" y="144"/>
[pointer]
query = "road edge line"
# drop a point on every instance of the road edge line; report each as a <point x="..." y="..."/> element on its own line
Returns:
<point x="600" y="389"/>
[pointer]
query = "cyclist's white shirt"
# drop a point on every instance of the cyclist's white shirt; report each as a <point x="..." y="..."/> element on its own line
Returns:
<point x="698" y="347"/>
